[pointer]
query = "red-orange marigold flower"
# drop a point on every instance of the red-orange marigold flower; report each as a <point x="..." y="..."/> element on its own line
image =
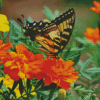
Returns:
<point x="92" y="35"/>
<point x="59" y="72"/>
<point x="4" y="47"/>
<point x="96" y="8"/>
<point x="22" y="63"/>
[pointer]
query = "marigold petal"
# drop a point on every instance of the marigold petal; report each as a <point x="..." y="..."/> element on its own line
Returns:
<point x="92" y="35"/>
<point x="20" y="48"/>
<point x="33" y="93"/>
<point x="5" y="47"/>
<point x="64" y="85"/>
<point x="3" y="23"/>
<point x="4" y="28"/>
<point x="96" y="8"/>
<point x="96" y="4"/>
<point x="48" y="80"/>
<point x="1" y="41"/>
<point x="21" y="75"/>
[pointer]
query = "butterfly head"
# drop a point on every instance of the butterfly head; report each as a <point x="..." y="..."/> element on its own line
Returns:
<point x="33" y="28"/>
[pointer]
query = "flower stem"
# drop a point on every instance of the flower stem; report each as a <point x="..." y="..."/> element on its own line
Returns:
<point x="99" y="24"/>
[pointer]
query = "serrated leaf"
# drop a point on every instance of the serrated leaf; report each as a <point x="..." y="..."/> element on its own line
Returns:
<point x="93" y="70"/>
<point x="86" y="64"/>
<point x="85" y="75"/>
<point x="80" y="63"/>
<point x="83" y="41"/>
<point x="77" y="87"/>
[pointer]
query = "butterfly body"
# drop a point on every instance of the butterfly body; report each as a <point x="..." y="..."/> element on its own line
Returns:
<point x="52" y="36"/>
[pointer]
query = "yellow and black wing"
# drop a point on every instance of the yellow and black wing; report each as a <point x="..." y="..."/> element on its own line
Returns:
<point x="59" y="32"/>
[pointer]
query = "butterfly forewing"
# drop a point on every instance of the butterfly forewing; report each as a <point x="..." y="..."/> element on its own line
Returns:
<point x="59" y="32"/>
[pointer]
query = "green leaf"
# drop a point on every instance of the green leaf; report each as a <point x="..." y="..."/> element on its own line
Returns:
<point x="93" y="70"/>
<point x="1" y="83"/>
<point x="85" y="75"/>
<point x="29" y="19"/>
<point x="40" y="82"/>
<point x="49" y="14"/>
<point x="5" y="34"/>
<point x="0" y="4"/>
<point x="78" y="87"/>
<point x="52" y="90"/>
<point x="11" y="33"/>
<point x="80" y="98"/>
<point x="21" y="87"/>
<point x="1" y="36"/>
<point x="86" y="64"/>
<point x="56" y="13"/>
<point x="97" y="98"/>
<point x="28" y="84"/>
<point x="83" y="41"/>
<point x="15" y="85"/>
<point x="80" y="63"/>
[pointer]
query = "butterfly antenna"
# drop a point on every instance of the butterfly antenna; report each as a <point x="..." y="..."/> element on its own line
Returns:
<point x="20" y="20"/>
<point x="25" y="18"/>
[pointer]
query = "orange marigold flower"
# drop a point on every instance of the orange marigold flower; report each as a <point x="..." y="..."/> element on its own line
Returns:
<point x="92" y="35"/>
<point x="22" y="63"/>
<point x="59" y="72"/>
<point x="4" y="47"/>
<point x="96" y="8"/>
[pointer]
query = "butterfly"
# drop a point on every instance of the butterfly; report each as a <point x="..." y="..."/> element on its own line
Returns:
<point x="53" y="36"/>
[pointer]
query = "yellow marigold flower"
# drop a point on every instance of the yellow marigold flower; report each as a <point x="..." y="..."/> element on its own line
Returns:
<point x="4" y="23"/>
<point x="8" y="82"/>
<point x="96" y="8"/>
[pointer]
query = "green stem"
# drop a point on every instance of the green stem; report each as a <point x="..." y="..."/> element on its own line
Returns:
<point x="99" y="23"/>
<point x="0" y="4"/>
